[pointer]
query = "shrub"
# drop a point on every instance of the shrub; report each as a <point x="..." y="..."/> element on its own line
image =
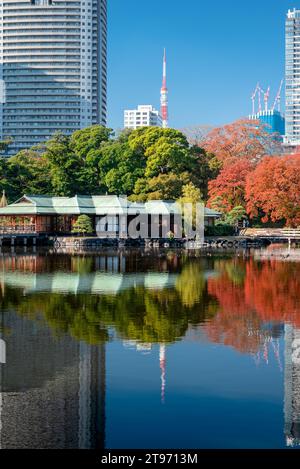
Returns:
<point x="221" y="229"/>
<point x="83" y="225"/>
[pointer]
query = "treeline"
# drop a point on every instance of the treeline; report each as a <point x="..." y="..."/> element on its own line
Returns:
<point x="149" y="163"/>
<point x="230" y="169"/>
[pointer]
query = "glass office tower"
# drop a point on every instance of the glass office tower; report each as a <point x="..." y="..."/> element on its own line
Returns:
<point x="52" y="68"/>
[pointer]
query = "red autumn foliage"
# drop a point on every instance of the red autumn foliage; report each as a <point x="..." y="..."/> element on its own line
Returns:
<point x="268" y="292"/>
<point x="230" y="184"/>
<point x="273" y="188"/>
<point x="241" y="139"/>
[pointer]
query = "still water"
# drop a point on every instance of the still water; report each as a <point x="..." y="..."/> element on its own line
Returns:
<point x="143" y="350"/>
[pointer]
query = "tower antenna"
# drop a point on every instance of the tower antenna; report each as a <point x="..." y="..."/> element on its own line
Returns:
<point x="164" y="94"/>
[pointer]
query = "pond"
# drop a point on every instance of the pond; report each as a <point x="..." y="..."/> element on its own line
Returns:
<point x="135" y="349"/>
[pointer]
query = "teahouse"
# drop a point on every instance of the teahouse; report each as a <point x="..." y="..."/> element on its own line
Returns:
<point x="111" y="215"/>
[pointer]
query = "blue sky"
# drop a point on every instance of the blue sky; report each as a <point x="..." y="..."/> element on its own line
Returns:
<point x="217" y="51"/>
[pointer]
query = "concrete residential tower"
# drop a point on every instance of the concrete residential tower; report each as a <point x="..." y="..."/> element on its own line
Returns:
<point x="52" y="68"/>
<point x="143" y="116"/>
<point x="292" y="75"/>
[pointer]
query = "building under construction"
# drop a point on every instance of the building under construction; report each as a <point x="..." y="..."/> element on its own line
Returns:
<point x="270" y="116"/>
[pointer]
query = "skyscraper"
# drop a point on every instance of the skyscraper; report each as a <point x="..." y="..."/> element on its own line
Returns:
<point x="52" y="68"/>
<point x="292" y="75"/>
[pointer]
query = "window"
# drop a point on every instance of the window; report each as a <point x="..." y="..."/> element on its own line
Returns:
<point x="41" y="2"/>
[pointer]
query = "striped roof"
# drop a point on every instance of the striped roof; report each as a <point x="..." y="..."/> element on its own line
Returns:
<point x="91" y="205"/>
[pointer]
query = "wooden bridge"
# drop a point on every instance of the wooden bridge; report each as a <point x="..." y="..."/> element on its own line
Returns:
<point x="272" y="234"/>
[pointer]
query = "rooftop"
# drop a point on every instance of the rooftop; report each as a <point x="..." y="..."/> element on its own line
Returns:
<point x="91" y="205"/>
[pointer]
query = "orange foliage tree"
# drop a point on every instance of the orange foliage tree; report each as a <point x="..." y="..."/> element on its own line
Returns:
<point x="273" y="190"/>
<point x="229" y="186"/>
<point x="241" y="139"/>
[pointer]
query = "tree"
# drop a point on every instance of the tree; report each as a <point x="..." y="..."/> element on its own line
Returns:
<point x="65" y="166"/>
<point x="204" y="167"/>
<point x="242" y="139"/>
<point x="273" y="190"/>
<point x="87" y="140"/>
<point x="27" y="172"/>
<point x="142" y="139"/>
<point x="4" y="144"/>
<point x="83" y="225"/>
<point x="235" y="215"/>
<point x="88" y="145"/>
<point x="229" y="187"/>
<point x="196" y="134"/>
<point x="120" y="167"/>
<point x="191" y="194"/>
<point x="165" y="186"/>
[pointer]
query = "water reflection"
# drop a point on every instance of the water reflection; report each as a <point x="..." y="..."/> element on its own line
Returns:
<point x="58" y="312"/>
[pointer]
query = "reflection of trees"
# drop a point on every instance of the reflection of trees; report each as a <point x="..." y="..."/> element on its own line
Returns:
<point x="138" y="313"/>
<point x="191" y="284"/>
<point x="249" y="295"/>
<point x="238" y="301"/>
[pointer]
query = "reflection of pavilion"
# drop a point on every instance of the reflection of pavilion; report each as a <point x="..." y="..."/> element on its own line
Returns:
<point x="292" y="385"/>
<point x="108" y="275"/>
<point x="52" y="390"/>
<point x="97" y="282"/>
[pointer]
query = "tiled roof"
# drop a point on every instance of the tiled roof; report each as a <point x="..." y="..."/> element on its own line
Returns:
<point x="91" y="205"/>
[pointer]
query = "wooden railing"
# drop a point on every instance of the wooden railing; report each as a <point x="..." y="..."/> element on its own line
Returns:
<point x="286" y="233"/>
<point x="17" y="229"/>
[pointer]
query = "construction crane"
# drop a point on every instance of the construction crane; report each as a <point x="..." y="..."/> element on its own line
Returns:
<point x="278" y="98"/>
<point x="258" y="92"/>
<point x="254" y="96"/>
<point x="266" y="98"/>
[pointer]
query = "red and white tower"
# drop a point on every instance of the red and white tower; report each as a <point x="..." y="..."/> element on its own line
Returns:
<point x="164" y="95"/>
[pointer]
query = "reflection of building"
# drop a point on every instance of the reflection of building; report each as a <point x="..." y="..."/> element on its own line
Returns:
<point x="95" y="283"/>
<point x="146" y="348"/>
<point x="52" y="390"/>
<point x="53" y="68"/>
<point x="292" y="385"/>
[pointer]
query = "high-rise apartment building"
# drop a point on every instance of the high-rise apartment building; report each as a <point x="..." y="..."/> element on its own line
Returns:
<point x="143" y="116"/>
<point x="292" y="75"/>
<point x="52" y="68"/>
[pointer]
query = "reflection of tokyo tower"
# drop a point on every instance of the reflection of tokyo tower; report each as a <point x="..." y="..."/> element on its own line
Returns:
<point x="162" y="363"/>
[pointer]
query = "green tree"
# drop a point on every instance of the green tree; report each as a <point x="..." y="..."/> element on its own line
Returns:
<point x="65" y="166"/>
<point x="27" y="172"/>
<point x="120" y="167"/>
<point x="235" y="215"/>
<point x="84" y="142"/>
<point x="4" y="144"/>
<point x="83" y="225"/>
<point x="164" y="186"/>
<point x="88" y="145"/>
